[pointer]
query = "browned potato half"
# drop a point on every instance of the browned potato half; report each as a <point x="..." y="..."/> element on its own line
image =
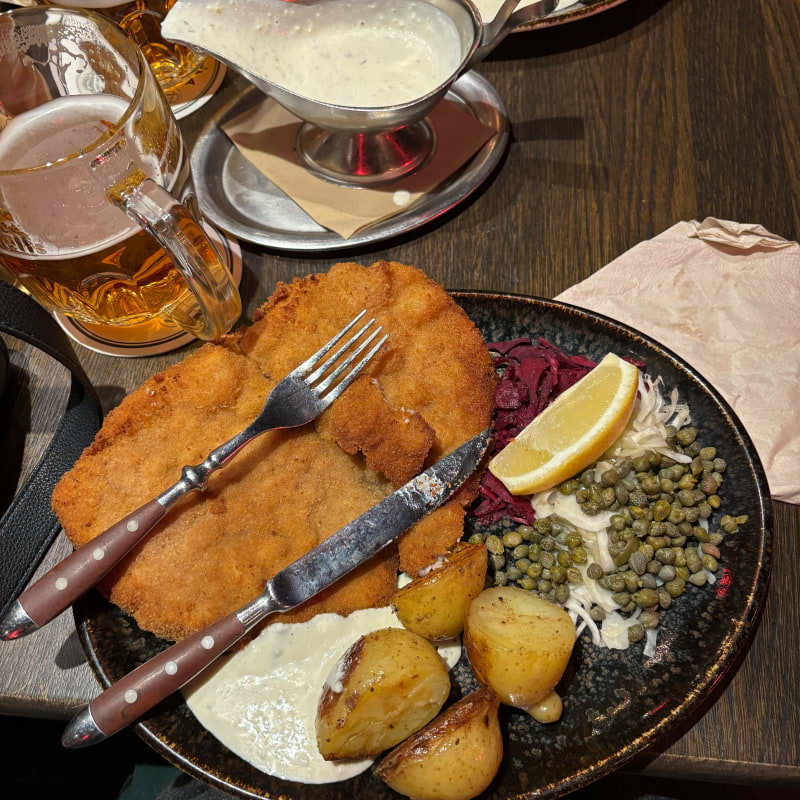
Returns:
<point x="435" y="605"/>
<point x="519" y="645"/>
<point x="454" y="758"/>
<point x="390" y="683"/>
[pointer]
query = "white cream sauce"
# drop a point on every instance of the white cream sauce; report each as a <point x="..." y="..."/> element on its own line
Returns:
<point x="261" y="702"/>
<point x="358" y="53"/>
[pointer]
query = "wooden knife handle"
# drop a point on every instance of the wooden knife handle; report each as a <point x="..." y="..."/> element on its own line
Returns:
<point x="147" y="685"/>
<point x="78" y="572"/>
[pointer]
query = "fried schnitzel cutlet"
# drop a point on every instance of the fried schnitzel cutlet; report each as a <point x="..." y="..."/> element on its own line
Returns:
<point x="427" y="392"/>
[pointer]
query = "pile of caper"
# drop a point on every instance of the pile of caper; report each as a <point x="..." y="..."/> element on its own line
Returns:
<point x="655" y="539"/>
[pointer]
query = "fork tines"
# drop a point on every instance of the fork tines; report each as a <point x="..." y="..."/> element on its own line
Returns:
<point x="311" y="379"/>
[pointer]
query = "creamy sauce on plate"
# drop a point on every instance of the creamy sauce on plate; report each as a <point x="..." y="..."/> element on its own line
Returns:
<point x="357" y="53"/>
<point x="261" y="702"/>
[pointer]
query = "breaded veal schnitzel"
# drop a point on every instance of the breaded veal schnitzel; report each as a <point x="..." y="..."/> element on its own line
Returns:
<point x="428" y="391"/>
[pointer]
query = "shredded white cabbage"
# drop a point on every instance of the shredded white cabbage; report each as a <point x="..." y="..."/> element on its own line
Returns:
<point x="647" y="429"/>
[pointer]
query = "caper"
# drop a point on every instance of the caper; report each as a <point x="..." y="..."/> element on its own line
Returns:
<point x="657" y="528"/>
<point x="686" y="436"/>
<point x="654" y="460"/>
<point x="664" y="598"/>
<point x="545" y="574"/>
<point x="715" y="537"/>
<point x="685" y="528"/>
<point x="547" y="559"/>
<point x="708" y="468"/>
<point x="544" y="525"/>
<point x="525" y="532"/>
<point x="645" y="597"/>
<point x="715" y="501"/>
<point x="686" y="498"/>
<point x="711" y="550"/>
<point x="629" y="484"/>
<point x="636" y="512"/>
<point x="692" y="514"/>
<point x="574" y="575"/>
<point x="476" y="538"/>
<point x="513" y="573"/>
<point x="498" y="561"/>
<point x="709" y="485"/>
<point x="574" y="539"/>
<point x="698" y="579"/>
<point x="719" y="464"/>
<point x="587" y="477"/>
<point x="666" y="573"/>
<point x="683" y="572"/>
<point x="625" y="552"/>
<point x="671" y="530"/>
<point x="653" y="567"/>
<point x="562" y="593"/>
<point x="708" y="453"/>
<point x="640" y="464"/>
<point x="661" y="510"/>
<point x="631" y="580"/>
<point x="656" y="542"/>
<point x="704" y="509"/>
<point x="528" y="583"/>
<point x="680" y="556"/>
<point x="621" y="494"/>
<point x="610" y="477"/>
<point x="535" y="571"/>
<point x="666" y="485"/>
<point x="582" y="495"/>
<point x="687" y="482"/>
<point x="597" y="613"/>
<point x="512" y="539"/>
<point x="545" y="586"/>
<point x="594" y="571"/>
<point x="701" y="534"/>
<point x="677" y="472"/>
<point x="591" y="508"/>
<point x="636" y="633"/>
<point x="563" y="558"/>
<point x="523" y="564"/>
<point x="638" y="498"/>
<point x="679" y="541"/>
<point x="729" y="524"/>
<point x="638" y="562"/>
<point x="648" y="581"/>
<point x="500" y="578"/>
<point x="676" y="515"/>
<point x="741" y="519"/>
<point x="608" y="497"/>
<point x="569" y="487"/>
<point x="520" y="551"/>
<point x="616" y="582"/>
<point x="675" y="587"/>
<point x="650" y="485"/>
<point x="649" y="618"/>
<point x="621" y="598"/>
<point x="710" y="563"/>
<point x="494" y="544"/>
<point x="579" y="555"/>
<point x="534" y="552"/>
<point x="665" y="555"/>
<point x="558" y="574"/>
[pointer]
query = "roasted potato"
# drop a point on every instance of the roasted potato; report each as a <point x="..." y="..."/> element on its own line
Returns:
<point x="518" y="645"/>
<point x="454" y="758"/>
<point x="435" y="605"/>
<point x="389" y="684"/>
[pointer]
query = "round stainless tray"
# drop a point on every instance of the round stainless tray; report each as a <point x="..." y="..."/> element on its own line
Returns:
<point x="237" y="197"/>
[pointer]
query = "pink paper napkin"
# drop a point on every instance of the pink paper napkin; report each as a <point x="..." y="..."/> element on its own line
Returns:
<point x="726" y="297"/>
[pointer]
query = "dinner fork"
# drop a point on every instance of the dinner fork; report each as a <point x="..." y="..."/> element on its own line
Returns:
<point x="298" y="399"/>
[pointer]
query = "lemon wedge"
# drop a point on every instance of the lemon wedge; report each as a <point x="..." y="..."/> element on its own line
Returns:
<point x="572" y="432"/>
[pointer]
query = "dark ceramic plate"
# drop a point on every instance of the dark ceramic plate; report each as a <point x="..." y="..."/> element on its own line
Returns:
<point x="616" y="703"/>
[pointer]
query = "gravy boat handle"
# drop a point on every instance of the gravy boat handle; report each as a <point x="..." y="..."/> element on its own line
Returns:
<point x="506" y="19"/>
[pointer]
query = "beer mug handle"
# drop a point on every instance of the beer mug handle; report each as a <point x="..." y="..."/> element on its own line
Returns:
<point x="214" y="305"/>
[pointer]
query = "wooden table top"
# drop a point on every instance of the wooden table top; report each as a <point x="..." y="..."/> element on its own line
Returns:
<point x="623" y="124"/>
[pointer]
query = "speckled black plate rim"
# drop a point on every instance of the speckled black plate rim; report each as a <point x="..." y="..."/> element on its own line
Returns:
<point x="728" y="654"/>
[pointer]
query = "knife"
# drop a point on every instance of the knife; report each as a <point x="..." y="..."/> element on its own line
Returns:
<point x="129" y="698"/>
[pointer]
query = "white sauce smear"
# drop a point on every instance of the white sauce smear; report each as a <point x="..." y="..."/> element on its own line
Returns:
<point x="261" y="702"/>
<point x="357" y="53"/>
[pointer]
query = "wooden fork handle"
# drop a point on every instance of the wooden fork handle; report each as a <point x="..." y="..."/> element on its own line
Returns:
<point x="77" y="573"/>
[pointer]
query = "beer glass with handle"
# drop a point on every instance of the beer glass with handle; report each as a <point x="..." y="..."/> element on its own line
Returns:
<point x="95" y="191"/>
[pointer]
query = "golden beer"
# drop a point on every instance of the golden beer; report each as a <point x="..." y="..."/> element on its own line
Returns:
<point x="173" y="64"/>
<point x="91" y="218"/>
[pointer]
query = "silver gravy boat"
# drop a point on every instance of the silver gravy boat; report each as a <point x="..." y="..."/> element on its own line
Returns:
<point x="367" y="146"/>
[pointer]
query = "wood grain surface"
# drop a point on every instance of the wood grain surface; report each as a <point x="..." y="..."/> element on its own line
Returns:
<point x="623" y="124"/>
